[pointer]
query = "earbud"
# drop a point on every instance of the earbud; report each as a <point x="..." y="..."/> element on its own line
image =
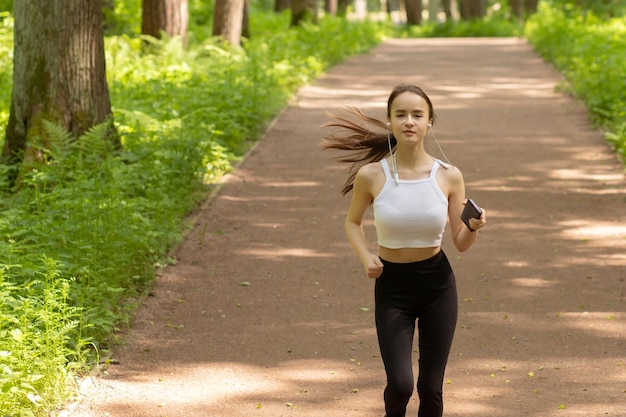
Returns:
<point x="388" y="124"/>
<point x="430" y="125"/>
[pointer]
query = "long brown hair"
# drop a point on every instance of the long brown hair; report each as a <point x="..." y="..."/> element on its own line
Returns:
<point x="366" y="145"/>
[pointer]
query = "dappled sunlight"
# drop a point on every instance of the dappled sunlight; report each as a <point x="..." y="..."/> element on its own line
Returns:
<point x="221" y="382"/>
<point x="517" y="264"/>
<point x="292" y="184"/>
<point x="594" y="230"/>
<point x="321" y="97"/>
<point x="274" y="252"/>
<point x="603" y="324"/>
<point x="540" y="88"/>
<point x="227" y="380"/>
<point x="253" y="198"/>
<point x="584" y="174"/>
<point x="532" y="282"/>
<point x="584" y="324"/>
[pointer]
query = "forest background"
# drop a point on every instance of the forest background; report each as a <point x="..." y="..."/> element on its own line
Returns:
<point x="89" y="217"/>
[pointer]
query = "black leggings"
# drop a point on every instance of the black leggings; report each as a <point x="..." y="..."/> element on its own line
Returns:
<point x="424" y="291"/>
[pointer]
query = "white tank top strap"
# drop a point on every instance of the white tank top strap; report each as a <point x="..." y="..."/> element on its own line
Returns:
<point x="385" y="166"/>
<point x="433" y="171"/>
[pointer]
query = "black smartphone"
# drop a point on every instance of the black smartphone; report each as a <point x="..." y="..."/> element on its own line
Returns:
<point x="471" y="211"/>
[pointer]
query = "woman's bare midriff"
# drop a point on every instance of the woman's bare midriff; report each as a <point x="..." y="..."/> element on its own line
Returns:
<point x="407" y="255"/>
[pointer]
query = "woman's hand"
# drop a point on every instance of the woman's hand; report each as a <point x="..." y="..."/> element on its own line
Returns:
<point x="373" y="266"/>
<point x="477" y="224"/>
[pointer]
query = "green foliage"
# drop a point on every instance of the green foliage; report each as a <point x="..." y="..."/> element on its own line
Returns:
<point x="591" y="53"/>
<point x="487" y="27"/>
<point x="605" y="9"/>
<point x="82" y="234"/>
<point x="6" y="6"/>
<point x="36" y="352"/>
<point x="125" y="18"/>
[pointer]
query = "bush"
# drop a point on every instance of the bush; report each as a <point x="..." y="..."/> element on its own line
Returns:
<point x="591" y="54"/>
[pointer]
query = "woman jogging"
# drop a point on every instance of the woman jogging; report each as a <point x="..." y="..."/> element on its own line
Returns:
<point x="413" y="195"/>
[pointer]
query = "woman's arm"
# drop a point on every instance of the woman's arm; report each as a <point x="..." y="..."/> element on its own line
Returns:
<point x="362" y="197"/>
<point x="462" y="237"/>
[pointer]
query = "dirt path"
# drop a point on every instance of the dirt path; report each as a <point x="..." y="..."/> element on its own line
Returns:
<point x="542" y="325"/>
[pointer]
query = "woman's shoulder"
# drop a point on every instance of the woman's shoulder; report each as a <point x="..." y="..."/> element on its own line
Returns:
<point x="450" y="172"/>
<point x="370" y="173"/>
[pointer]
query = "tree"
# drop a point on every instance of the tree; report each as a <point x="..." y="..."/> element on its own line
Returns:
<point x="169" y="16"/>
<point x="523" y="8"/>
<point x="280" y="5"/>
<point x="342" y="7"/>
<point x="433" y="9"/>
<point x="413" y="12"/>
<point x="245" y="21"/>
<point x="302" y="11"/>
<point x="447" y="8"/>
<point x="472" y="9"/>
<point x="330" y="7"/>
<point x="228" y="19"/>
<point x="59" y="73"/>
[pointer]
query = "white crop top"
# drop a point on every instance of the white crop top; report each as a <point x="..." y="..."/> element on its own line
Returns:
<point x="412" y="213"/>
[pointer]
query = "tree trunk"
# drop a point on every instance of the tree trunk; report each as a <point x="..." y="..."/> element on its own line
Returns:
<point x="59" y="73"/>
<point x="516" y="9"/>
<point x="228" y="19"/>
<point x="447" y="9"/>
<point x="521" y="9"/>
<point x="245" y="21"/>
<point x="301" y="11"/>
<point x="433" y="9"/>
<point x="169" y="16"/>
<point x="530" y="6"/>
<point x="413" y="12"/>
<point x="342" y="7"/>
<point x="330" y="7"/>
<point x="473" y="9"/>
<point x="280" y="5"/>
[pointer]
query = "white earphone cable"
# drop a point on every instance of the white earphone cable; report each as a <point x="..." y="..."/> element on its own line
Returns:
<point x="438" y="145"/>
<point x="394" y="162"/>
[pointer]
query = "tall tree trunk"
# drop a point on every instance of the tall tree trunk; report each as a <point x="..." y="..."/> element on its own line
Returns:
<point x="473" y="9"/>
<point x="59" y="73"/>
<point x="330" y="7"/>
<point x="517" y="9"/>
<point x="433" y="9"/>
<point x="521" y="9"/>
<point x="413" y="12"/>
<point x="302" y="11"/>
<point x="280" y="5"/>
<point x="227" y="20"/>
<point x="530" y="6"/>
<point x="447" y="9"/>
<point x="342" y="7"/>
<point x="245" y="20"/>
<point x="169" y="16"/>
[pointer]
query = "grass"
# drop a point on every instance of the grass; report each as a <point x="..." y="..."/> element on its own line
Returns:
<point x="591" y="53"/>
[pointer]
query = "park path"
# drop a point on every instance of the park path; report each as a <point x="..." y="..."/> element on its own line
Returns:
<point x="267" y="311"/>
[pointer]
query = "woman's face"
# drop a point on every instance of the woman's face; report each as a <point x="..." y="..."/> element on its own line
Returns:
<point x="409" y="117"/>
